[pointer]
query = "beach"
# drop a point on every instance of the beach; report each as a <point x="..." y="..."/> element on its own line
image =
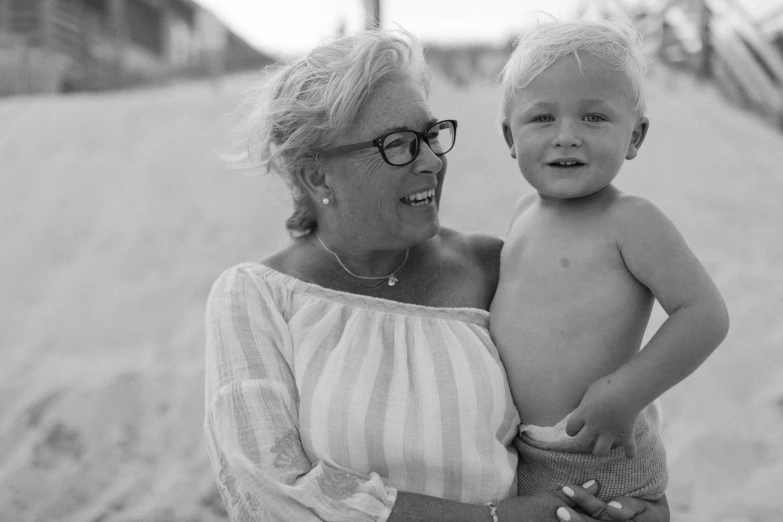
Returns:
<point x="118" y="213"/>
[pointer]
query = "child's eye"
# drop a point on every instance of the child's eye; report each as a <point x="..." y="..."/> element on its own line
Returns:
<point x="594" y="118"/>
<point x="543" y="118"/>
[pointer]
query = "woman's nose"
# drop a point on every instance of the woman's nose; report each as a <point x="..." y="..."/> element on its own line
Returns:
<point x="427" y="162"/>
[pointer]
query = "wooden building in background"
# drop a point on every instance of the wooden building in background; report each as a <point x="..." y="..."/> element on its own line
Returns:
<point x="66" y="45"/>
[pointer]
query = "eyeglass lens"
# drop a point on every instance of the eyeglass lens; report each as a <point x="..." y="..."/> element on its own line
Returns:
<point x="402" y="147"/>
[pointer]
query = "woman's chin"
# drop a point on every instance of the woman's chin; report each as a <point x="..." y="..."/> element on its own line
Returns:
<point x="431" y="230"/>
<point x="422" y="231"/>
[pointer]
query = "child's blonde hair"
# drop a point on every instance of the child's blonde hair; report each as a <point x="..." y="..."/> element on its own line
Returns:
<point x="305" y="106"/>
<point x="617" y="44"/>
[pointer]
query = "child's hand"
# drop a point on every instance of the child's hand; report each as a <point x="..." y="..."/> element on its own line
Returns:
<point x="602" y="417"/>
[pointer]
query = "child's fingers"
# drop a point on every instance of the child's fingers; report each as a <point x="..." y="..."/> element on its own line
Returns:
<point x="603" y="445"/>
<point x="585" y="438"/>
<point x="629" y="446"/>
<point x="574" y="425"/>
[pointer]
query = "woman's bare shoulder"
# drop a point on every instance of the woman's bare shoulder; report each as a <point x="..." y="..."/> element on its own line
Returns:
<point x="474" y="261"/>
<point x="483" y="249"/>
<point x="282" y="259"/>
<point x="295" y="259"/>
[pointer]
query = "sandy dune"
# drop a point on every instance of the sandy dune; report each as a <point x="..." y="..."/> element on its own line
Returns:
<point x="116" y="216"/>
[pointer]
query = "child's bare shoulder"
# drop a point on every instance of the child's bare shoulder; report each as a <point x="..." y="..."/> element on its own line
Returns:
<point x="636" y="218"/>
<point x="635" y="208"/>
<point x="524" y="204"/>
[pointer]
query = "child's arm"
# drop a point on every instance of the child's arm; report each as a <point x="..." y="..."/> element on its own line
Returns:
<point x="657" y="255"/>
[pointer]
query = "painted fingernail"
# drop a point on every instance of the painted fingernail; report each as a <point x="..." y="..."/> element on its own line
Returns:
<point x="615" y="504"/>
<point x="563" y="514"/>
<point x="587" y="484"/>
<point x="568" y="491"/>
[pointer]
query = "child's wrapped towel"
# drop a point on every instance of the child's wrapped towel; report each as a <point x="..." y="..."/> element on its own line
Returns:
<point x="548" y="459"/>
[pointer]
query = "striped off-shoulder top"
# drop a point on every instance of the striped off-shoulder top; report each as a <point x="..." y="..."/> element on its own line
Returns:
<point x="321" y="405"/>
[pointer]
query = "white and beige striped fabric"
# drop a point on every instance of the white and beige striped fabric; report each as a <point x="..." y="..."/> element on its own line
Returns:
<point x="321" y="404"/>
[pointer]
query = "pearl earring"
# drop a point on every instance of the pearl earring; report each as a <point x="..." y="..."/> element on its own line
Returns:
<point x="326" y="201"/>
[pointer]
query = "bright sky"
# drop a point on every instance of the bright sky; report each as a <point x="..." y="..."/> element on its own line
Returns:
<point x="295" y="26"/>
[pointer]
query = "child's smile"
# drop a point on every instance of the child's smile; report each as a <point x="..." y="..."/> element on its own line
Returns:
<point x="566" y="164"/>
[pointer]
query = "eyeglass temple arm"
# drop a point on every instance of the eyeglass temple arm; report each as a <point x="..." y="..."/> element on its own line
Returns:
<point x="348" y="148"/>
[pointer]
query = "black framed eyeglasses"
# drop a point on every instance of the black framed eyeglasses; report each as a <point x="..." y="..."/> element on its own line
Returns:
<point x="401" y="147"/>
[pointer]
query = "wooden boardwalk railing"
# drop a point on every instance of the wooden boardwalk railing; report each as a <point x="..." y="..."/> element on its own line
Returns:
<point x="29" y="70"/>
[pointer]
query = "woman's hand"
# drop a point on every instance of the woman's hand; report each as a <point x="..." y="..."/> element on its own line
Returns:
<point x="542" y="506"/>
<point x="623" y="508"/>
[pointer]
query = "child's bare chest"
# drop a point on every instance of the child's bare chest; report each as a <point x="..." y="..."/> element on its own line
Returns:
<point x="562" y="255"/>
<point x="569" y="275"/>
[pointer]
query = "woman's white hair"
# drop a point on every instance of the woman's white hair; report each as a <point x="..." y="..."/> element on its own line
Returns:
<point x="303" y="107"/>
<point x="617" y="44"/>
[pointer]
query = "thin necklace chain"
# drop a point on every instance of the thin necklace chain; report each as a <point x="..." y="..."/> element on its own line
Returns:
<point x="392" y="280"/>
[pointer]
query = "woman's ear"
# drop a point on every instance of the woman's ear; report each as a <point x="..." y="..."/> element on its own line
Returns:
<point x="313" y="180"/>
<point x="509" y="137"/>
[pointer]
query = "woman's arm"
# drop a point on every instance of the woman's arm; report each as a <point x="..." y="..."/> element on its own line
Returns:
<point x="421" y="508"/>
<point x="252" y="423"/>
<point x="538" y="508"/>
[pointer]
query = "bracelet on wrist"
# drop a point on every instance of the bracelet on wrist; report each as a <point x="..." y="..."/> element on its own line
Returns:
<point x="493" y="511"/>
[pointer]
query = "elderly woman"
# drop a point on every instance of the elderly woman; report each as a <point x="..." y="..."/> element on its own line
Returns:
<point x="351" y="375"/>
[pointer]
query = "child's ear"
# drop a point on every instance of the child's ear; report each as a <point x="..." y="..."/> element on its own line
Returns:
<point x="509" y="137"/>
<point x="637" y="137"/>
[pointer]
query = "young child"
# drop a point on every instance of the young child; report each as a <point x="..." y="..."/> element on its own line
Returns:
<point x="582" y="264"/>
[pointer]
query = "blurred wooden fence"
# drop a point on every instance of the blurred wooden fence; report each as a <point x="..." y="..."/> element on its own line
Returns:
<point x="41" y="47"/>
<point x="29" y="70"/>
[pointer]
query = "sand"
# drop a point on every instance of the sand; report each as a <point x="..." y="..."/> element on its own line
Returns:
<point x="117" y="215"/>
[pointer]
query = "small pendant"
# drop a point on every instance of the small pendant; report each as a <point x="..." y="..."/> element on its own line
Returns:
<point x="392" y="280"/>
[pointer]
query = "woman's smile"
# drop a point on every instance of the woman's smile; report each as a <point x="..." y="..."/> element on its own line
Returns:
<point x="419" y="199"/>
